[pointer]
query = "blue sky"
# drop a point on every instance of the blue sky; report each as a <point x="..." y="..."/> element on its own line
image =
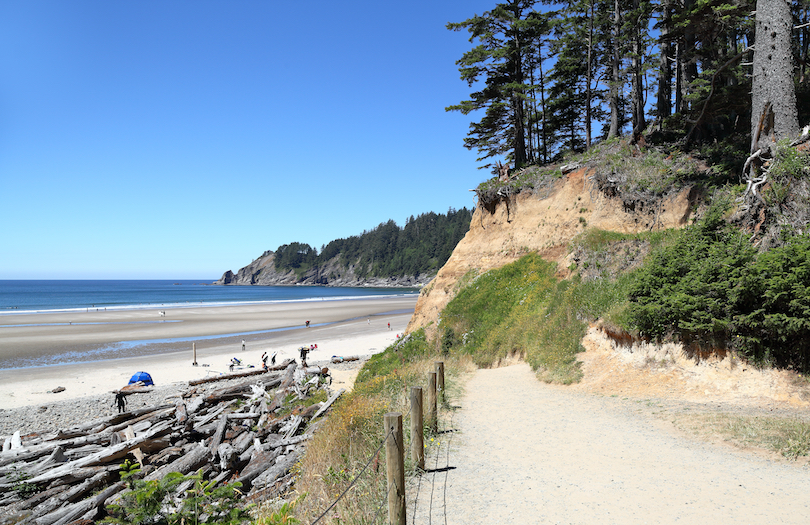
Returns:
<point x="182" y="139"/>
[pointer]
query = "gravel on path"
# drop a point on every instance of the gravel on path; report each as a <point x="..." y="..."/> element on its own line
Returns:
<point x="522" y="452"/>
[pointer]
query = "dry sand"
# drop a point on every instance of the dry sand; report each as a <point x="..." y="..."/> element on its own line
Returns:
<point x="341" y="328"/>
<point x="519" y="451"/>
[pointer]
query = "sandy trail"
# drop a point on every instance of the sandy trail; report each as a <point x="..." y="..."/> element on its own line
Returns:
<point x="520" y="451"/>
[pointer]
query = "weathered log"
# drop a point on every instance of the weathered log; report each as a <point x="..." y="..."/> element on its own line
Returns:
<point x="37" y="499"/>
<point x="236" y="375"/>
<point x="101" y="423"/>
<point x="281" y="393"/>
<point x="339" y="359"/>
<point x="236" y="391"/>
<point x="74" y="493"/>
<point x="155" y="445"/>
<point x="282" y="465"/>
<point x="217" y="440"/>
<point x="228" y="456"/>
<point x="159" y="414"/>
<point x="245" y="415"/>
<point x="166" y="455"/>
<point x="204" y="419"/>
<point x="56" y="458"/>
<point x="180" y="412"/>
<point x="292" y="427"/>
<point x="194" y="405"/>
<point x="194" y="459"/>
<point x="77" y="510"/>
<point x="260" y="462"/>
<point x="243" y="441"/>
<point x="285" y="442"/>
<point x="280" y="486"/>
<point x="329" y="402"/>
<point x="129" y="432"/>
<point x="203" y="471"/>
<point x="109" y="454"/>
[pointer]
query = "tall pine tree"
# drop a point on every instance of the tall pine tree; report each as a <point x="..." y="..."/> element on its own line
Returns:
<point x="503" y="37"/>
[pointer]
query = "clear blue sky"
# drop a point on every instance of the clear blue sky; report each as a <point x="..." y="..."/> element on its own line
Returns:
<point x="182" y="139"/>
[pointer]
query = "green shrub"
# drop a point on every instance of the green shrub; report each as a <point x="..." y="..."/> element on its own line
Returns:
<point x="156" y="501"/>
<point x="683" y="288"/>
<point x="772" y="306"/>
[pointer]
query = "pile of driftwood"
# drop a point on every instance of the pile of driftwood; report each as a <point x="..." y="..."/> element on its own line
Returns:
<point x="252" y="432"/>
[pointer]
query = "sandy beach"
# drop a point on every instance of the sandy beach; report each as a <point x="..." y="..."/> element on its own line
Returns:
<point x="339" y="328"/>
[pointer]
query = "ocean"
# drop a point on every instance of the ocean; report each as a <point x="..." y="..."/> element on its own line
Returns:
<point x="107" y="341"/>
<point x="24" y="296"/>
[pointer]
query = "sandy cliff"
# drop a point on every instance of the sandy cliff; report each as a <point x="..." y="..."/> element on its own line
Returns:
<point x="543" y="222"/>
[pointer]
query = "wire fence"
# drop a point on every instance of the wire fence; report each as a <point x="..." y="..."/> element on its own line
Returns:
<point x="354" y="481"/>
<point x="390" y="434"/>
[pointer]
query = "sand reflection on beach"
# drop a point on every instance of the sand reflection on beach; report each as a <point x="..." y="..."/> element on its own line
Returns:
<point x="106" y="348"/>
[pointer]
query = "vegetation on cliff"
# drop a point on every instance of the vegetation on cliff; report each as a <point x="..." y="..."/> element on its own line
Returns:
<point x="422" y="246"/>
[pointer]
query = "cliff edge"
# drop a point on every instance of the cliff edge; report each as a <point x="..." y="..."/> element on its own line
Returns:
<point x="262" y="271"/>
<point x="546" y="222"/>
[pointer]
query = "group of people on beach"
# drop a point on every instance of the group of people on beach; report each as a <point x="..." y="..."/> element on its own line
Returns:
<point x="272" y="360"/>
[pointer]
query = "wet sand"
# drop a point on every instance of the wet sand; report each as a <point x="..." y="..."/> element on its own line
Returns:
<point x="343" y="327"/>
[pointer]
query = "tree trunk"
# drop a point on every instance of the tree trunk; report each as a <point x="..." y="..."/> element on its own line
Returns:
<point x="773" y="100"/>
<point x="615" y="81"/>
<point x="687" y="62"/>
<point x="589" y="95"/>
<point x="664" y="103"/>
<point x="639" y="122"/>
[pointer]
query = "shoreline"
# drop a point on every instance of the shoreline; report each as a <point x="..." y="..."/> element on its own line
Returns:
<point x="341" y="328"/>
<point x="181" y="305"/>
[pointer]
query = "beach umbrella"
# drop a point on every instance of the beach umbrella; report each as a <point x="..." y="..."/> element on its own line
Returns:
<point x="141" y="376"/>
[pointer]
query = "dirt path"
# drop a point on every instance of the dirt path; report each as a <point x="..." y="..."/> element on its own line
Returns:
<point x="519" y="451"/>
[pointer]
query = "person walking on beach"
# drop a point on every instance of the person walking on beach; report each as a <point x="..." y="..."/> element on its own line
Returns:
<point x="307" y="323"/>
<point x="243" y="345"/>
<point x="121" y="400"/>
<point x="304" y="351"/>
<point x="264" y="360"/>
<point x="389" y="326"/>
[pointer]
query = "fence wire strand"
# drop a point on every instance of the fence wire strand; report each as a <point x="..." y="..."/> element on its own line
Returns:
<point x="370" y="459"/>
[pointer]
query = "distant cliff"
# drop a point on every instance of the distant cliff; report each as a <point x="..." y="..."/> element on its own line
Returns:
<point x="262" y="271"/>
<point x="387" y="256"/>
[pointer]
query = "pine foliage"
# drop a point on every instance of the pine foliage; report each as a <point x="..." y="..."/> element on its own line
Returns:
<point x="422" y="246"/>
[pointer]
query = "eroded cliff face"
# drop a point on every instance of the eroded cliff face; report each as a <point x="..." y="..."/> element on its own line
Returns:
<point x="262" y="271"/>
<point x="545" y="223"/>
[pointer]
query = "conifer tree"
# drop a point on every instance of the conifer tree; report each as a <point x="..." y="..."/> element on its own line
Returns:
<point x="502" y="37"/>
<point x="774" y="114"/>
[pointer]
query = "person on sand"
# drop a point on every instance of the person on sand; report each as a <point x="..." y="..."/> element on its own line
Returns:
<point x="304" y="351"/>
<point x="264" y="360"/>
<point x="243" y="345"/>
<point x="307" y="323"/>
<point x="389" y="326"/>
<point x="121" y="400"/>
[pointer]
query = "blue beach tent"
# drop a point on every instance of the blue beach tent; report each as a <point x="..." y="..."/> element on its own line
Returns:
<point x="142" y="376"/>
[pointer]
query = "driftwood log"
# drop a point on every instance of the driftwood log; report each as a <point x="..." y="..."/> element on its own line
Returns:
<point x="233" y="433"/>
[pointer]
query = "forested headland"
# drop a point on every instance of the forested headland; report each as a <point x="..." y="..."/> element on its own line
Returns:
<point x="385" y="255"/>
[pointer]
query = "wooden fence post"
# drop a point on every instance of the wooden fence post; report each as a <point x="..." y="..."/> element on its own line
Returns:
<point x="395" y="468"/>
<point x="417" y="428"/>
<point x="440" y="379"/>
<point x="432" y="419"/>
